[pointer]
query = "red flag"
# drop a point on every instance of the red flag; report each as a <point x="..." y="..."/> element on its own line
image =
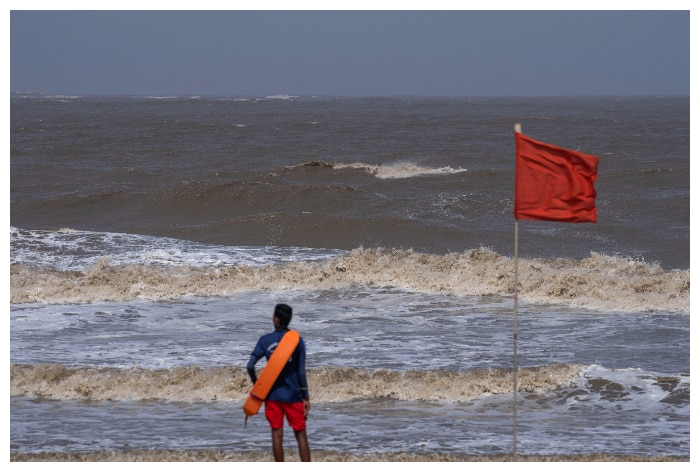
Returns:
<point x="553" y="183"/>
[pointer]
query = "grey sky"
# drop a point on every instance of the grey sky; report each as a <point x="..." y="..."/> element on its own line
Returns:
<point x="351" y="53"/>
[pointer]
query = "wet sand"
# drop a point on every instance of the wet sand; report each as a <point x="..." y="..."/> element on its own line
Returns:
<point x="321" y="456"/>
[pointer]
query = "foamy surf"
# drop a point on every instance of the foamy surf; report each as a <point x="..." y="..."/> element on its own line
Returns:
<point x="397" y="170"/>
<point x="598" y="282"/>
<point x="400" y="170"/>
<point x="328" y="384"/>
<point x="341" y="385"/>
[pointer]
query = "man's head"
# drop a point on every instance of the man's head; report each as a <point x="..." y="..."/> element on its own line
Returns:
<point x="283" y="314"/>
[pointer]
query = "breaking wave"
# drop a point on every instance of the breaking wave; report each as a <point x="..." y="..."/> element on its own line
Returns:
<point x="598" y="282"/>
<point x="397" y="170"/>
<point x="328" y="384"/>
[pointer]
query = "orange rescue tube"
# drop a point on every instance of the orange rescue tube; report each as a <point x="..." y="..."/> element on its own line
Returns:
<point x="272" y="370"/>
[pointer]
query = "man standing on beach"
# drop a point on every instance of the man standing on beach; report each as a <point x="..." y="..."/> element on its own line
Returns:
<point x="289" y="395"/>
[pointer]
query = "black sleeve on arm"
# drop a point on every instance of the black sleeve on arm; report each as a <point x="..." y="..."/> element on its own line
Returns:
<point x="251" y="368"/>
<point x="303" y="384"/>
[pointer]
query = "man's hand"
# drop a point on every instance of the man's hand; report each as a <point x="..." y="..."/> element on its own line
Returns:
<point x="307" y="407"/>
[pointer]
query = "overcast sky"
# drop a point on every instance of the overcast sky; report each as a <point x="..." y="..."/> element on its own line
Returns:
<point x="351" y="53"/>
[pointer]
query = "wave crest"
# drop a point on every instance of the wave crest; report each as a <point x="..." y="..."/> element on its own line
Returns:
<point x="598" y="282"/>
<point x="327" y="384"/>
<point x="397" y="170"/>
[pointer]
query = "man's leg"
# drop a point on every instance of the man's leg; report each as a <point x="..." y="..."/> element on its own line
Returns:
<point x="277" y="449"/>
<point x="304" y="454"/>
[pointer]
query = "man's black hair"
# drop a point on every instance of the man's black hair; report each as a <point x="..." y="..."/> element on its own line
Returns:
<point x="283" y="312"/>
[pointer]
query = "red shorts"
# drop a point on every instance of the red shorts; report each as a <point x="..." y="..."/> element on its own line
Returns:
<point x="275" y="412"/>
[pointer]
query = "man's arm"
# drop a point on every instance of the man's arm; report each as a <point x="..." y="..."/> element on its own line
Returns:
<point x="303" y="384"/>
<point x="251" y="368"/>
<point x="301" y="374"/>
<point x="255" y="356"/>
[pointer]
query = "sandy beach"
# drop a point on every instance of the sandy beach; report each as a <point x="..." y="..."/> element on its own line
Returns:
<point x="322" y="456"/>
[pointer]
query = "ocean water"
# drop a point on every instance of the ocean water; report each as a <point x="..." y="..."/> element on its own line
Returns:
<point x="151" y="237"/>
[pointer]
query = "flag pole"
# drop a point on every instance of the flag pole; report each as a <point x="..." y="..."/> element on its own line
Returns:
<point x="518" y="129"/>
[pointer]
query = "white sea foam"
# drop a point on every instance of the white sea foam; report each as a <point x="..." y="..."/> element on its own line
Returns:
<point x="68" y="249"/>
<point x="399" y="170"/>
<point x="76" y="266"/>
<point x="396" y="170"/>
<point x="330" y="384"/>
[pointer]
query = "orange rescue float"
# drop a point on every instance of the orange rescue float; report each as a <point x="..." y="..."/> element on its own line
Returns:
<point x="269" y="375"/>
